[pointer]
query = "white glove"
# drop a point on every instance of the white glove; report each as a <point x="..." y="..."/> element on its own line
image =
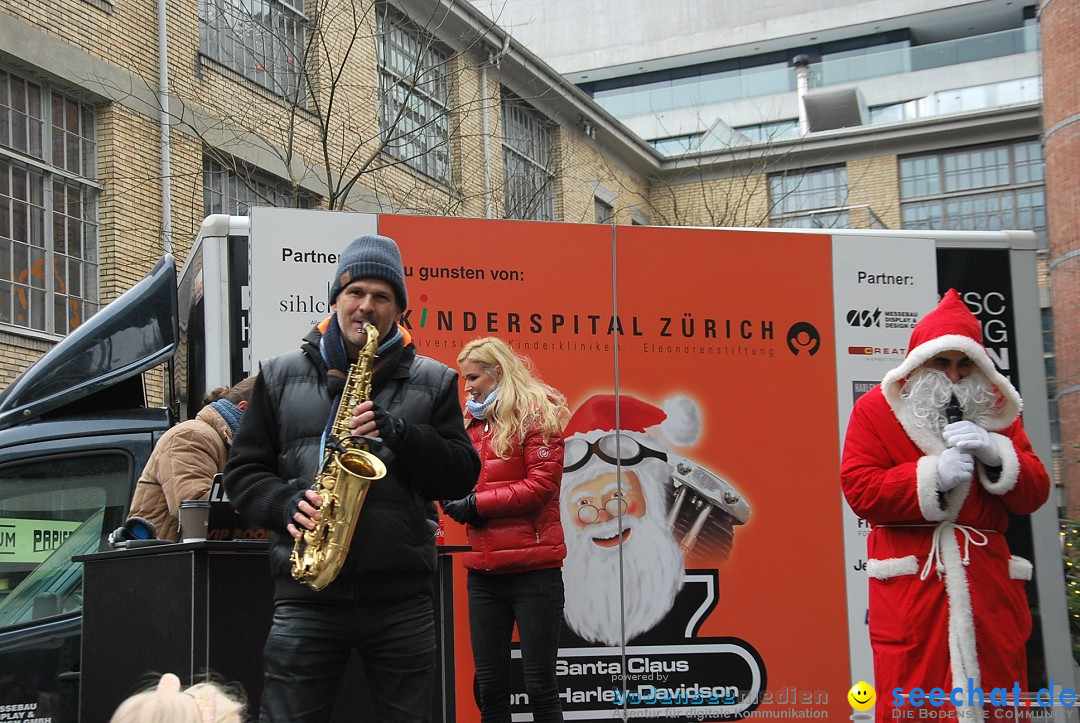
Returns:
<point x="954" y="467"/>
<point x="971" y="438"/>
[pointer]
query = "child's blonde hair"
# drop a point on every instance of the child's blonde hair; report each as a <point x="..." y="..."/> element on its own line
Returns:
<point x="166" y="703"/>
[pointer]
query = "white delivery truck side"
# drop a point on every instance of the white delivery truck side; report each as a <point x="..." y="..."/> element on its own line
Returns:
<point x="840" y="303"/>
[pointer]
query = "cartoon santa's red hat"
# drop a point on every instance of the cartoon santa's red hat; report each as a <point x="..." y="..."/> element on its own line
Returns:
<point x="952" y="327"/>
<point x="607" y="412"/>
<point x="679" y="421"/>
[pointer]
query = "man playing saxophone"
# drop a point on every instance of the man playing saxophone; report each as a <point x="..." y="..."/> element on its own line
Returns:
<point x="380" y="602"/>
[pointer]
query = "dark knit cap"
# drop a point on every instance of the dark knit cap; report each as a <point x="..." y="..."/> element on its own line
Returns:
<point x="371" y="257"/>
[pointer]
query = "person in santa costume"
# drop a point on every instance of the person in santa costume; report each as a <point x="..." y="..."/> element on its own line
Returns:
<point x="934" y="459"/>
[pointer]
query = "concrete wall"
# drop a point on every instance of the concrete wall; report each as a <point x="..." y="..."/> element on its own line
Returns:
<point x="646" y="31"/>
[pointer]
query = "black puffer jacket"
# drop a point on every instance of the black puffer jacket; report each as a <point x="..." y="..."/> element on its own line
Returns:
<point x="277" y="451"/>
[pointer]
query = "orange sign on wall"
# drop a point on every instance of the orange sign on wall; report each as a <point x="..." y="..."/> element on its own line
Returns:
<point x="706" y="357"/>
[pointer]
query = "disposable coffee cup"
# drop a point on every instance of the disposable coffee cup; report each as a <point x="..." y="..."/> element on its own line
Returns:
<point x="194" y="519"/>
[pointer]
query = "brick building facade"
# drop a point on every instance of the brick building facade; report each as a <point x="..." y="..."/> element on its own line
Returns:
<point x="81" y="81"/>
<point x="1061" y="119"/>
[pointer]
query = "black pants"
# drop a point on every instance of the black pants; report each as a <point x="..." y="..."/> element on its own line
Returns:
<point x="535" y="600"/>
<point x="309" y="646"/>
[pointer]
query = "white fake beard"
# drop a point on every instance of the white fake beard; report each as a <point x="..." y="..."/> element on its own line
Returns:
<point x="926" y="394"/>
<point x="653" y="576"/>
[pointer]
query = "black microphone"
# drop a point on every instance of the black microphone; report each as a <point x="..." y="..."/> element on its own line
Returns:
<point x="953" y="412"/>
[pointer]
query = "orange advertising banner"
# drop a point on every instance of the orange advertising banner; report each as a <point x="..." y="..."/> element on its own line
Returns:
<point x="699" y="367"/>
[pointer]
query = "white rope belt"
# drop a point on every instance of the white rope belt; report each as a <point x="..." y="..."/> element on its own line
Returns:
<point x="972" y="536"/>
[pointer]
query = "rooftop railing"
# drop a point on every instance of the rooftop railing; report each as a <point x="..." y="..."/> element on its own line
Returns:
<point x="925" y="57"/>
<point x="702" y="91"/>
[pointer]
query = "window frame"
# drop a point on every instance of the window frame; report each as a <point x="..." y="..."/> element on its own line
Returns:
<point x="253" y="187"/>
<point x="528" y="161"/>
<point x="49" y="205"/>
<point x="935" y="188"/>
<point x="818" y="205"/>
<point x="21" y="606"/>
<point x="414" y="95"/>
<point x="274" y="53"/>
<point x="604" y="212"/>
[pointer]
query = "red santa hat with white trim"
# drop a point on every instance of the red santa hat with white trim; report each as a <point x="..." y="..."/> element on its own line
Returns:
<point x="952" y="327"/>
<point x="677" y="423"/>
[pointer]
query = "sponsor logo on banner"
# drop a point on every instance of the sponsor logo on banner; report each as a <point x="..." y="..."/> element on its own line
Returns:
<point x="867" y="318"/>
<point x="689" y="334"/>
<point x="721" y="676"/>
<point x="803" y="336"/>
<point x="864" y="317"/>
<point x="859" y="388"/>
<point x="878" y="351"/>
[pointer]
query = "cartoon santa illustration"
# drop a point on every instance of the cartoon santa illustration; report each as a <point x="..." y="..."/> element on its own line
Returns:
<point x="619" y="477"/>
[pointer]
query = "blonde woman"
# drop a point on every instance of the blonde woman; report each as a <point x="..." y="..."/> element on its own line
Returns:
<point x="515" y="422"/>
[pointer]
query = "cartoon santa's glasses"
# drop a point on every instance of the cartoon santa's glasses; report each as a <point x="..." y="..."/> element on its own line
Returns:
<point x="589" y="513"/>
<point x="615" y="449"/>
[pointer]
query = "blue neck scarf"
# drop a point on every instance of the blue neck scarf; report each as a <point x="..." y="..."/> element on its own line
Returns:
<point x="479" y="409"/>
<point x="229" y="412"/>
<point x="332" y="349"/>
<point x="394" y="337"/>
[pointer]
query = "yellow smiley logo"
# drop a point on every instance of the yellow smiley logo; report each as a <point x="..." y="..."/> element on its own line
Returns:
<point x="862" y="696"/>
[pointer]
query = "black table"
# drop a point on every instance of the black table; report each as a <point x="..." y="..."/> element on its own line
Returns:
<point x="198" y="607"/>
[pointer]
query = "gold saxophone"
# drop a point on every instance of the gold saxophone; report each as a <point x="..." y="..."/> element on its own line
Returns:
<point x="343" y="480"/>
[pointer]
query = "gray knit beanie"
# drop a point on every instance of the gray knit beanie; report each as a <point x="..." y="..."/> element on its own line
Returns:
<point x="371" y="257"/>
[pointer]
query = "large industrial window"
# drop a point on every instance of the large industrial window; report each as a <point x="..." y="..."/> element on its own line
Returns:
<point x="262" y="40"/>
<point x="528" y="177"/>
<point x="414" y="115"/>
<point x="48" y="208"/>
<point x="236" y="189"/>
<point x="987" y="188"/>
<point x="815" y="198"/>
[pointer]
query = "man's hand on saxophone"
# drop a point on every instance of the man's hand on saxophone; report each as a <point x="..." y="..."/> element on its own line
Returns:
<point x="306" y="514"/>
<point x="371" y="420"/>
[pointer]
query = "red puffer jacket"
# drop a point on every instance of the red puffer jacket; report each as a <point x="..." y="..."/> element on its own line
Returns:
<point x="519" y="496"/>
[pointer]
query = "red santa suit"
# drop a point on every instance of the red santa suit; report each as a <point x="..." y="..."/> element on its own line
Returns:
<point x="947" y="602"/>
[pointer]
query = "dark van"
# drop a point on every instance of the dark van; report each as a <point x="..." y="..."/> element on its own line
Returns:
<point x="75" y="433"/>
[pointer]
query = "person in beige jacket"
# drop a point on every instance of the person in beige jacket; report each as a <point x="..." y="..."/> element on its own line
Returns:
<point x="186" y="458"/>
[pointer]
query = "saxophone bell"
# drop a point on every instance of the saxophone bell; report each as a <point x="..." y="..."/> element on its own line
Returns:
<point x="363" y="463"/>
